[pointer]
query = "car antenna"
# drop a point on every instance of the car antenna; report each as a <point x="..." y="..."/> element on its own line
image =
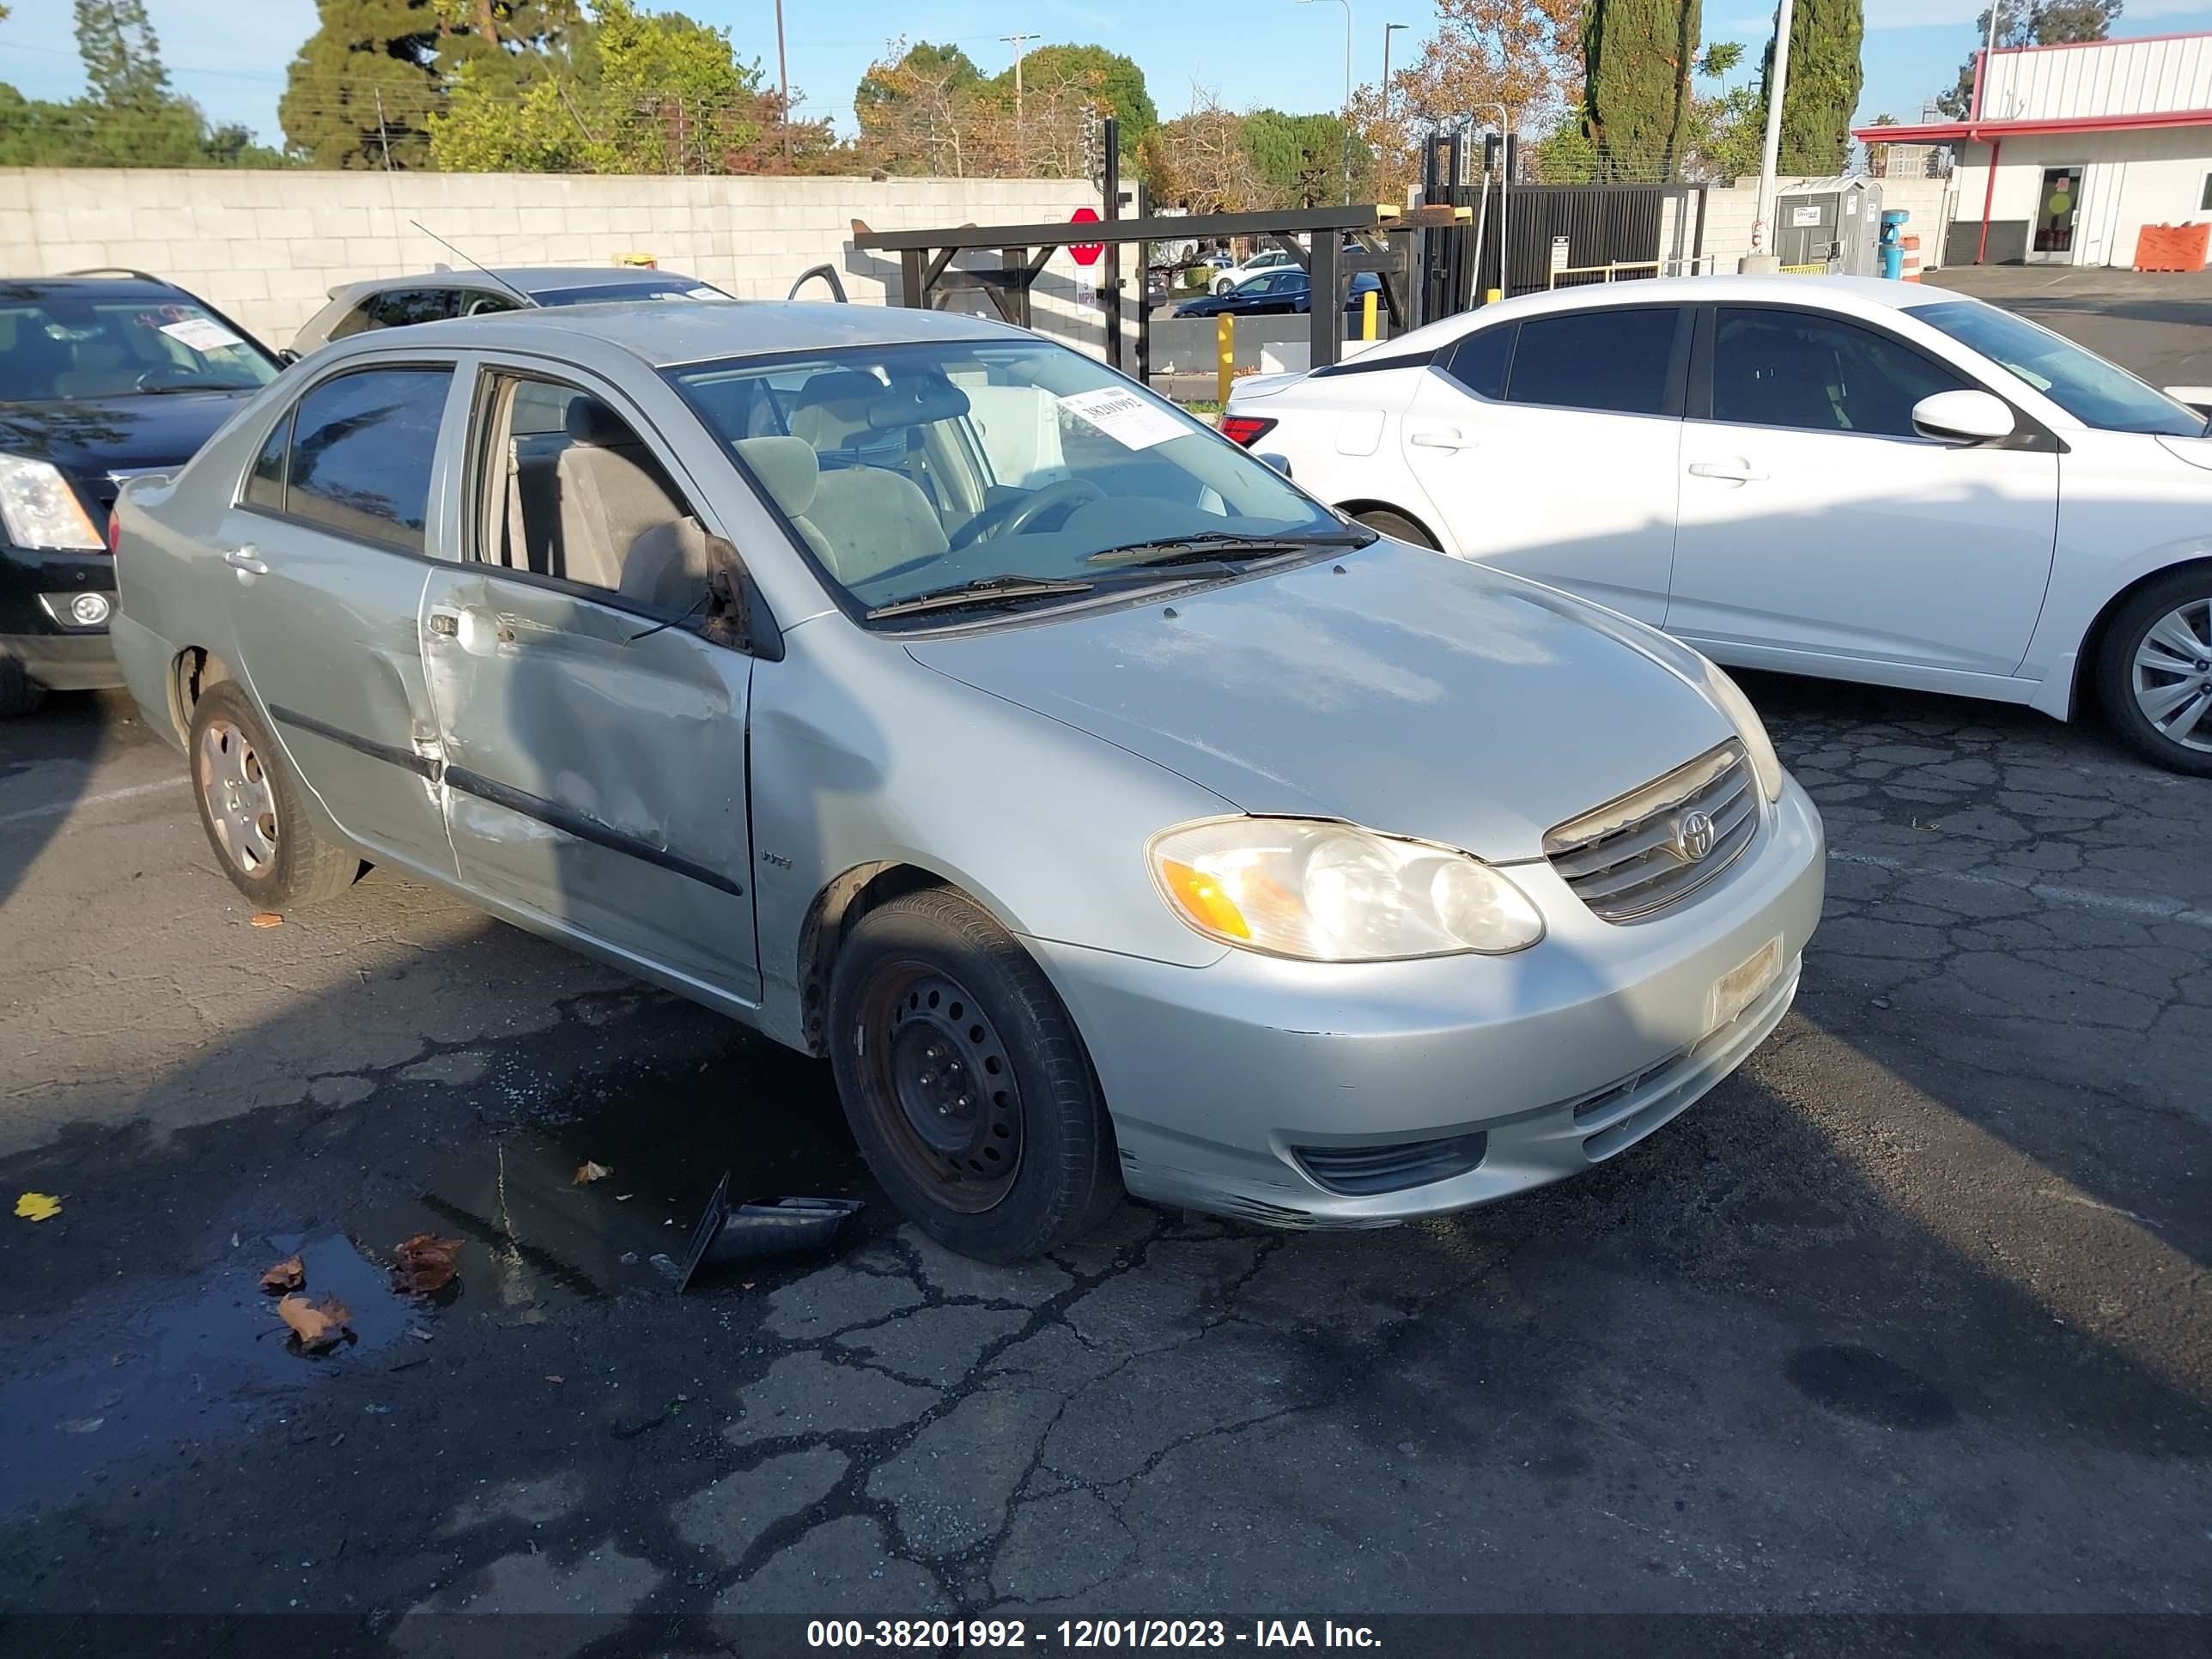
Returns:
<point x="486" y="269"/>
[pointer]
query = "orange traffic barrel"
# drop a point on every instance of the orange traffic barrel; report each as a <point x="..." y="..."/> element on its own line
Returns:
<point x="1911" y="247"/>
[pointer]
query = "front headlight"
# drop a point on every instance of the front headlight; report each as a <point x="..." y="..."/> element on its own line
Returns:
<point x="41" y="510"/>
<point x="1323" y="891"/>
<point x="1748" y="727"/>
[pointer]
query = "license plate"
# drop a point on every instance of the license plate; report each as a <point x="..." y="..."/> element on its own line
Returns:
<point x="1738" y="988"/>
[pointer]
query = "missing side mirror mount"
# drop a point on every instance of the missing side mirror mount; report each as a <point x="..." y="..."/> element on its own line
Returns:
<point x="737" y="617"/>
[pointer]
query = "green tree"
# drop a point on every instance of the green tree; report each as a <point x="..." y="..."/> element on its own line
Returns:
<point x="887" y="86"/>
<point x="1824" y="85"/>
<point x="364" y="85"/>
<point x="122" y="56"/>
<point x="1299" y="158"/>
<point x="1638" y="56"/>
<point x="1110" y="82"/>
<point x="2030" y="23"/>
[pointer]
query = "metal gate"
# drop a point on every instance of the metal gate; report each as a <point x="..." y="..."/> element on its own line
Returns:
<point x="1554" y="234"/>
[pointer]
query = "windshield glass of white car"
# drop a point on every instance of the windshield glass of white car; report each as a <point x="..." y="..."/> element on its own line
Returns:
<point x="989" y="474"/>
<point x="2084" y="385"/>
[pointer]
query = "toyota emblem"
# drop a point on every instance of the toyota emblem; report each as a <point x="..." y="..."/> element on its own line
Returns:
<point x="1694" y="837"/>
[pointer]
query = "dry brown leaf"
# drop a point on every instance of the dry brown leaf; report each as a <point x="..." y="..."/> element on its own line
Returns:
<point x="550" y="1377"/>
<point x="267" y="919"/>
<point x="315" y="1325"/>
<point x="425" y="1265"/>
<point x="588" y="1171"/>
<point x="289" y="1274"/>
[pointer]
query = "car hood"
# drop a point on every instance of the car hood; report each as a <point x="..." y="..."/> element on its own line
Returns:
<point x="86" y="437"/>
<point x="1403" y="691"/>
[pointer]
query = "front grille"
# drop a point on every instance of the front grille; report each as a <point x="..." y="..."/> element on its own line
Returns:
<point x="1636" y="856"/>
<point x="1362" y="1171"/>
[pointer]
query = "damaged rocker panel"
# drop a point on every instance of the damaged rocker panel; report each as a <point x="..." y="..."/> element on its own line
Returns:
<point x="422" y="766"/>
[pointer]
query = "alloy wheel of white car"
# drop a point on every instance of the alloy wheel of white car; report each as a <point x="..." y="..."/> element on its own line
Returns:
<point x="2172" y="675"/>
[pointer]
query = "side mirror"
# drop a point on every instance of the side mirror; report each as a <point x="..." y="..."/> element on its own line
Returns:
<point x="2198" y="398"/>
<point x="736" y="614"/>
<point x="1963" y="417"/>
<point x="1280" y="463"/>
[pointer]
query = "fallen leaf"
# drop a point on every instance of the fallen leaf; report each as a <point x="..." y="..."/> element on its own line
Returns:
<point x="549" y="1377"/>
<point x="315" y="1325"/>
<point x="267" y="919"/>
<point x="288" y="1274"/>
<point x="38" y="1206"/>
<point x="425" y="1265"/>
<point x="588" y="1171"/>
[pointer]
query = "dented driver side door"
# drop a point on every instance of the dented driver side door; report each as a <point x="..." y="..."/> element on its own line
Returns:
<point x="594" y="767"/>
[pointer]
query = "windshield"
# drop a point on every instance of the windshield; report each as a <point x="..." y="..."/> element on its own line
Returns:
<point x="676" y="288"/>
<point x="2094" y="392"/>
<point x="993" y="471"/>
<point x="59" y="346"/>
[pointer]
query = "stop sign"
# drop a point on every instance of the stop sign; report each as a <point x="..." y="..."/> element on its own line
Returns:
<point x="1086" y="254"/>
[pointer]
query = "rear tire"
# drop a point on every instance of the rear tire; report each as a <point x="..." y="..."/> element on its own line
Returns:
<point x="19" y="693"/>
<point x="250" y="807"/>
<point x="966" y="1083"/>
<point x="1397" y="526"/>
<point x="2154" y="673"/>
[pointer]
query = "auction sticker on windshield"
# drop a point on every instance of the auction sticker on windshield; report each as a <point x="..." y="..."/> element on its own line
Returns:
<point x="201" y="334"/>
<point x="1124" y="418"/>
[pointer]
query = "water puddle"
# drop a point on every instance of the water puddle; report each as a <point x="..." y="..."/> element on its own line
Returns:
<point x="152" y="1365"/>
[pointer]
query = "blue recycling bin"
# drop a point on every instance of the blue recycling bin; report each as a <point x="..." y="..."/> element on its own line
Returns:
<point x="1892" y="244"/>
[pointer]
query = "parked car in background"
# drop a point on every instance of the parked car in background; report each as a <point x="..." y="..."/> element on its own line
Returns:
<point x="1865" y="480"/>
<point x="401" y="302"/>
<point x="104" y="375"/>
<point x="1267" y="259"/>
<point x="1276" y="292"/>
<point x="692" y="674"/>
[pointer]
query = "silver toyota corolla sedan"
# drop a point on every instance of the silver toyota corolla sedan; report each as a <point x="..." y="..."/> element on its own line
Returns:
<point x="1110" y="814"/>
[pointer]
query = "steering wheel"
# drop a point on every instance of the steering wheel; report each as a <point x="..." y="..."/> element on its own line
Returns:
<point x="1012" y="521"/>
<point x="162" y="374"/>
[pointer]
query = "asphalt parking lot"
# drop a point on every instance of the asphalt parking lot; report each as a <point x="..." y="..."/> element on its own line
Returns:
<point x="1910" y="1316"/>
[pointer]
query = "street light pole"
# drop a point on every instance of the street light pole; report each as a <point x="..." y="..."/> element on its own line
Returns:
<point x="1346" y="4"/>
<point x="1777" y="85"/>
<point x="783" y="81"/>
<point x="1389" y="29"/>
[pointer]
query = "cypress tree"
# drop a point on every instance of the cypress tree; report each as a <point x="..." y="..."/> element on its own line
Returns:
<point x="1824" y="85"/>
<point x="1637" y="57"/>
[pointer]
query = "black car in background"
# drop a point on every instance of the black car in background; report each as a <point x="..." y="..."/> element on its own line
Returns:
<point x="102" y="377"/>
<point x="1275" y="293"/>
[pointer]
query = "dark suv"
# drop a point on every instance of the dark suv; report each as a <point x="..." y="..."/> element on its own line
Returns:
<point x="103" y="376"/>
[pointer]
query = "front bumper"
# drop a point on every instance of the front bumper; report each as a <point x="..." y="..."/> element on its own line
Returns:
<point x="1561" y="1056"/>
<point x="65" y="662"/>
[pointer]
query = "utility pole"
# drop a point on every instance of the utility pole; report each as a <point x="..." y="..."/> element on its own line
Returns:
<point x="1777" y="85"/>
<point x="783" y="81"/>
<point x="1018" y="41"/>
<point x="1389" y="29"/>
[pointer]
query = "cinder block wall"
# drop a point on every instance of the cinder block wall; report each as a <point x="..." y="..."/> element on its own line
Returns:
<point x="266" y="247"/>
<point x="1729" y="209"/>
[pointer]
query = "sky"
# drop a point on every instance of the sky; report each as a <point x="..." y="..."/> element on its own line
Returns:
<point x="230" y="55"/>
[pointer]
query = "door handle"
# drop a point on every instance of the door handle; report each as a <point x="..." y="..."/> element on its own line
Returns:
<point x="1448" y="437"/>
<point x="247" y="559"/>
<point x="1731" y="471"/>
<point x="444" y="624"/>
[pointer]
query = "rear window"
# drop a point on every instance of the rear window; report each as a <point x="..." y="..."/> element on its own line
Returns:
<point x="677" y="287"/>
<point x="1610" y="361"/>
<point x="59" y="346"/>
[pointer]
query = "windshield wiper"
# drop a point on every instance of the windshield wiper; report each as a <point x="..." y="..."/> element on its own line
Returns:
<point x="983" y="591"/>
<point x="1224" y="547"/>
<point x="193" y="385"/>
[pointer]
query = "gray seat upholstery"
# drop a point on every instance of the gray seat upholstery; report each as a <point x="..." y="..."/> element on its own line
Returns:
<point x="611" y="492"/>
<point x="668" y="566"/>
<point x="860" y="521"/>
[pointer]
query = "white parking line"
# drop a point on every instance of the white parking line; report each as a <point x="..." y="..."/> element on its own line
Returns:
<point x="2079" y="898"/>
<point x="55" y="808"/>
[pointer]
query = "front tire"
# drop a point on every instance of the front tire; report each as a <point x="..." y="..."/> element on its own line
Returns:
<point x="19" y="693"/>
<point x="1396" y="525"/>
<point x="966" y="1083"/>
<point x="2154" y="673"/>
<point x="250" y="807"/>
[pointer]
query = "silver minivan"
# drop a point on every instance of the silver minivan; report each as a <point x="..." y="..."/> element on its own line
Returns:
<point x="1112" y="816"/>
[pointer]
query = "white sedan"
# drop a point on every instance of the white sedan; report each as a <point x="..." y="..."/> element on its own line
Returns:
<point x="1865" y="480"/>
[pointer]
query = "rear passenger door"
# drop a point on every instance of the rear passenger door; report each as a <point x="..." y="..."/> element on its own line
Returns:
<point x="327" y="549"/>
<point x="593" y="739"/>
<point x="1550" y="448"/>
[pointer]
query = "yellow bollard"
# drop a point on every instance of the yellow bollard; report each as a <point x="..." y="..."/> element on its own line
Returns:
<point x="1225" y="361"/>
<point x="1367" y="315"/>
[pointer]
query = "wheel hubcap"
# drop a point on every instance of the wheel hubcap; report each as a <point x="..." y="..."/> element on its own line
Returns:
<point x="241" y="807"/>
<point x="2172" y="675"/>
<point x="940" y="1086"/>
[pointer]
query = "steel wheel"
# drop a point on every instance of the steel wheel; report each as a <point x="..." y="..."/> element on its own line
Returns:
<point x="241" y="805"/>
<point x="2172" y="676"/>
<point x="939" y="1084"/>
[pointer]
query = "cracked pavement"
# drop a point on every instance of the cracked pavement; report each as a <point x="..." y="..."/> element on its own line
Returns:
<point x="1908" y="1316"/>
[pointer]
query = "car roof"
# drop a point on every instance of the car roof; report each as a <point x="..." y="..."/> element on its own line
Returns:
<point x="531" y="279"/>
<point x="131" y="286"/>
<point x="1851" y="294"/>
<point x="666" y="332"/>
